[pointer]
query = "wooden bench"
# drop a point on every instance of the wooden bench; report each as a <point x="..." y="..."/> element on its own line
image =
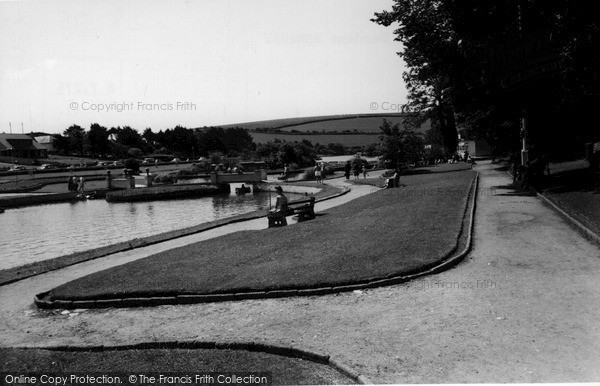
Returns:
<point x="305" y="209"/>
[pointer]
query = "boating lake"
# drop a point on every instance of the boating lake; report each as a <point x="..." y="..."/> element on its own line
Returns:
<point x="41" y="232"/>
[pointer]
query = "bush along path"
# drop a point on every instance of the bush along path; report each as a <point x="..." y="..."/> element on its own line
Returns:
<point x="383" y="238"/>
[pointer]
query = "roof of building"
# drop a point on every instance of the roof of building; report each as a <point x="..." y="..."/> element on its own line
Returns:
<point x="18" y="142"/>
<point x="44" y="139"/>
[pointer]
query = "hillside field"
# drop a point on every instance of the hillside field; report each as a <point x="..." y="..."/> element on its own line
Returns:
<point x="365" y="125"/>
<point x="323" y="139"/>
<point x="365" y="122"/>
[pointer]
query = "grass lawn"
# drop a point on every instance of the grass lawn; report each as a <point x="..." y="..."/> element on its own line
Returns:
<point x="582" y="204"/>
<point x="390" y="232"/>
<point x="284" y="370"/>
<point x="20" y="186"/>
<point x="441" y="168"/>
<point x="577" y="192"/>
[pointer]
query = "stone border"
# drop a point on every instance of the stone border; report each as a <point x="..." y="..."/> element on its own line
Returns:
<point x="286" y="351"/>
<point x="80" y="257"/>
<point x="446" y="262"/>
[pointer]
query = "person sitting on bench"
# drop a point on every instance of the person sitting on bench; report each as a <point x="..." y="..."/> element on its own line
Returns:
<point x="280" y="202"/>
<point x="393" y="181"/>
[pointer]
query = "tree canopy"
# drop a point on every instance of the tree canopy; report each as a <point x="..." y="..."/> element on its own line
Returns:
<point x="482" y="66"/>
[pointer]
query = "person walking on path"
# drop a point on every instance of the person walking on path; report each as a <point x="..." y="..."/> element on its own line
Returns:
<point x="356" y="170"/>
<point x="285" y="172"/>
<point x="318" y="173"/>
<point x="347" y="170"/>
<point x="364" y="171"/>
<point x="81" y="186"/>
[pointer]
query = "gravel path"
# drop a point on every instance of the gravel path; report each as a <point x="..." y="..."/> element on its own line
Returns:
<point x="524" y="307"/>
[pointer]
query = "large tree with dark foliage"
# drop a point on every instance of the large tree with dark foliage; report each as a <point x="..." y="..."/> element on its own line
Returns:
<point x="487" y="65"/>
<point x="400" y="147"/>
<point x="97" y="140"/>
<point x="429" y="42"/>
<point x="76" y="139"/>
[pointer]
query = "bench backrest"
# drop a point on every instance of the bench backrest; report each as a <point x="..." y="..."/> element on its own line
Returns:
<point x="300" y="202"/>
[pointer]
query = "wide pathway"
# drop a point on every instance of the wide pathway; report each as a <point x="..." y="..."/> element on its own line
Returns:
<point x="523" y="307"/>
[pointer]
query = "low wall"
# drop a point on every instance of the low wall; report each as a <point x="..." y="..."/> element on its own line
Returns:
<point x="37" y="199"/>
<point x="166" y="192"/>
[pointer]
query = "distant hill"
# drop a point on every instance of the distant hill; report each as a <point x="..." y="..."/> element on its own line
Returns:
<point x="336" y="121"/>
<point x="350" y="130"/>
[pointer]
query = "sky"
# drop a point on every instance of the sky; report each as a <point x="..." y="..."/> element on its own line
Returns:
<point x="162" y="63"/>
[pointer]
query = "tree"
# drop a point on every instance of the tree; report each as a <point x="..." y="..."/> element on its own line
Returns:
<point x="430" y="51"/>
<point x="211" y="140"/>
<point x="488" y="65"/>
<point x="61" y="144"/>
<point x="399" y="147"/>
<point x="237" y="140"/>
<point x="76" y="137"/>
<point x="97" y="140"/>
<point x="129" y="137"/>
<point x="149" y="136"/>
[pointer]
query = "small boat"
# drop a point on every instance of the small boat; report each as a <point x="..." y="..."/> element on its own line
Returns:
<point x="91" y="196"/>
<point x="242" y="190"/>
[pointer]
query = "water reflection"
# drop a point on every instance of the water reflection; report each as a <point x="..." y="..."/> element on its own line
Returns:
<point x="42" y="232"/>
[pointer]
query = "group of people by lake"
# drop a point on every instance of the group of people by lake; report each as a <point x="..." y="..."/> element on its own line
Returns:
<point x="76" y="184"/>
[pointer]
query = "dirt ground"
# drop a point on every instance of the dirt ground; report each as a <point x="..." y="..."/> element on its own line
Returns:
<point x="523" y="307"/>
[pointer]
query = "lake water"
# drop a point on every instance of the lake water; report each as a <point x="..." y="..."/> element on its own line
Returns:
<point x="42" y="232"/>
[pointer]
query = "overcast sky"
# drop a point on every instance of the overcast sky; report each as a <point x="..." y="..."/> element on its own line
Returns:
<point x="192" y="63"/>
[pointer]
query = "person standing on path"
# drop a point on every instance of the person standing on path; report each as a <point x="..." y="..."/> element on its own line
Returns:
<point x="356" y="170"/>
<point x="81" y="186"/>
<point x="347" y="170"/>
<point x="318" y="173"/>
<point x="364" y="171"/>
<point x="71" y="184"/>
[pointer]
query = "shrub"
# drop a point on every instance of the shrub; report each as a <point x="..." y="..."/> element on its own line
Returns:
<point x="133" y="164"/>
<point x="309" y="173"/>
<point x="164" y="179"/>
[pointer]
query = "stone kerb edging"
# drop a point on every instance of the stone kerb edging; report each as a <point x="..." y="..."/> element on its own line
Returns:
<point x="79" y="257"/>
<point x="286" y="351"/>
<point x="447" y="261"/>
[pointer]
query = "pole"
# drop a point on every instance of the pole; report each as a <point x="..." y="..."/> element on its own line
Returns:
<point x="525" y="144"/>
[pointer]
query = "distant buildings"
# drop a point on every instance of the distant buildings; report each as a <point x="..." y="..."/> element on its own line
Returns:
<point x="20" y="146"/>
<point x="47" y="141"/>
